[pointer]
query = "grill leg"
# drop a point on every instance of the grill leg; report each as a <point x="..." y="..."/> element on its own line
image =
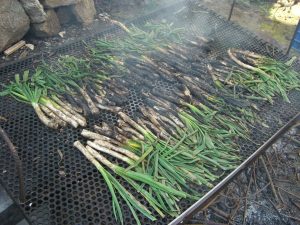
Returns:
<point x="18" y="163"/>
<point x="231" y="9"/>
<point x="294" y="35"/>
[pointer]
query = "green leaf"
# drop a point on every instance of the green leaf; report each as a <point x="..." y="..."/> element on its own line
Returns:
<point x="5" y="92"/>
<point x="209" y="142"/>
<point x="26" y="76"/>
<point x="17" y="78"/>
<point x="117" y="209"/>
<point x="149" y="150"/>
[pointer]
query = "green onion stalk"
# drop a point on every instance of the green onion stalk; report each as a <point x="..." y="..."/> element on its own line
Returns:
<point x="213" y="145"/>
<point x="245" y="112"/>
<point x="115" y="187"/>
<point x="52" y="112"/>
<point x="137" y="161"/>
<point x="164" y="193"/>
<point x="243" y="115"/>
<point x="264" y="77"/>
<point x="72" y="76"/>
<point x="191" y="159"/>
<point x="22" y="91"/>
<point x="208" y="116"/>
<point x="112" y="53"/>
<point x="44" y="99"/>
<point x="139" y="181"/>
<point x="204" y="148"/>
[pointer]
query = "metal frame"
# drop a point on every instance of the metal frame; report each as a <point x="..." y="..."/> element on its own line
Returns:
<point x="9" y="206"/>
<point x="206" y="199"/>
<point x="294" y="35"/>
<point x="231" y="9"/>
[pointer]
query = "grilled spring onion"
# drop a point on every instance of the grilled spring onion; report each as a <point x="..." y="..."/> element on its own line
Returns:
<point x="112" y="53"/>
<point x="177" y="165"/>
<point x="50" y="112"/>
<point x="115" y="187"/>
<point x="264" y="77"/>
<point x="196" y="139"/>
<point x="190" y="159"/>
<point x="71" y="76"/>
<point x="134" y="177"/>
<point x="22" y="91"/>
<point x="209" y="116"/>
<point x="105" y="142"/>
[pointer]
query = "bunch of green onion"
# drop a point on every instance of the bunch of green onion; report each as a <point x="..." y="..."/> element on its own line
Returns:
<point x="263" y="78"/>
<point x="206" y="148"/>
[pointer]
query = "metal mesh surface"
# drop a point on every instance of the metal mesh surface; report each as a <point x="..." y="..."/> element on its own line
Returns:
<point x="62" y="187"/>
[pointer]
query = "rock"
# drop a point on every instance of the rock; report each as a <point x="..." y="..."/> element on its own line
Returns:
<point x="84" y="11"/>
<point x="48" y="28"/>
<point x="14" y="23"/>
<point x="65" y="15"/>
<point x="58" y="3"/>
<point x="34" y="10"/>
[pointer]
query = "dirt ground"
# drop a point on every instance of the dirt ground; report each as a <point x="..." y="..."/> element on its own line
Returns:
<point x="270" y="22"/>
<point x="273" y="24"/>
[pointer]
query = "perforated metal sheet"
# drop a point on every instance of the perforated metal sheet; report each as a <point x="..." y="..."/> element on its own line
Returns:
<point x="69" y="190"/>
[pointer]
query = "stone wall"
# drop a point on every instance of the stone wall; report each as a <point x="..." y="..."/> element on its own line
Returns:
<point x="43" y="18"/>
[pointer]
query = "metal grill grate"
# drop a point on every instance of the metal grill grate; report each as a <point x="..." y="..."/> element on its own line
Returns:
<point x="70" y="190"/>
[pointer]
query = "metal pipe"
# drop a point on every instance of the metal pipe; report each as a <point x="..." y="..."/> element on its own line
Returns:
<point x="231" y="9"/>
<point x="202" y="203"/>
<point x="18" y="163"/>
<point x="294" y="35"/>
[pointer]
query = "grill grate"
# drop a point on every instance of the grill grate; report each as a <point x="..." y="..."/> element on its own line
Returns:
<point x="69" y="190"/>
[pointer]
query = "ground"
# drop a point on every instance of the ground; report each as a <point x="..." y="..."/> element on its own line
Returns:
<point x="268" y="192"/>
<point x="273" y="24"/>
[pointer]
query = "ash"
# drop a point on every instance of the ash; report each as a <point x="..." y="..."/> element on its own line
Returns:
<point x="262" y="195"/>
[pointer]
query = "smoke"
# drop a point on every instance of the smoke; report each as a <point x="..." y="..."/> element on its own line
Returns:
<point x="201" y="21"/>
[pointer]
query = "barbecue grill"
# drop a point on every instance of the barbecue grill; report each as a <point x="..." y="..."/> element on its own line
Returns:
<point x="62" y="187"/>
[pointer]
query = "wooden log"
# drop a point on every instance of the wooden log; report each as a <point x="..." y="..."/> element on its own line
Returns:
<point x="14" y="48"/>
